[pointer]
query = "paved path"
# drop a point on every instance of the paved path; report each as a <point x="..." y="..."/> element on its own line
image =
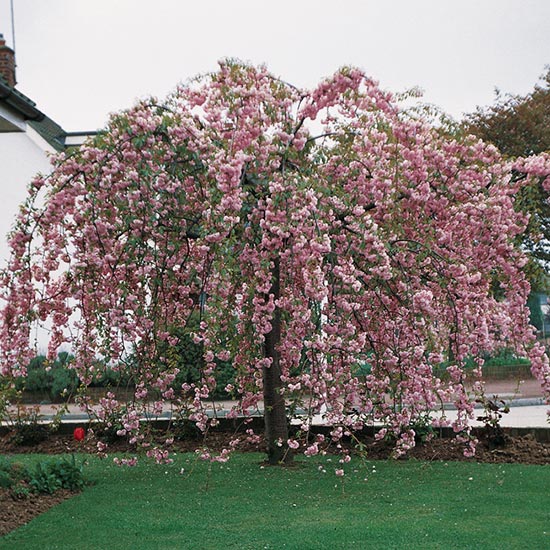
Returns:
<point x="522" y="415"/>
<point x="527" y="408"/>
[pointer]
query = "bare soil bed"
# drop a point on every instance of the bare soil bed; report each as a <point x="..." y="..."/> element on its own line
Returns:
<point x="15" y="512"/>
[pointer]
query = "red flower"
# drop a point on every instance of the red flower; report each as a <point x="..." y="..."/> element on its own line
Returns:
<point x="79" y="434"/>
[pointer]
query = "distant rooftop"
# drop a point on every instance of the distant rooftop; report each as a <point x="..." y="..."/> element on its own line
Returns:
<point x="16" y="103"/>
<point x="47" y="128"/>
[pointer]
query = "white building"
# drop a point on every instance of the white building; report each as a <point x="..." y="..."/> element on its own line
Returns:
<point x="27" y="139"/>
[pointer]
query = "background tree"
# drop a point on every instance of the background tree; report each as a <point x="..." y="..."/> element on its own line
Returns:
<point x="218" y="215"/>
<point x="519" y="126"/>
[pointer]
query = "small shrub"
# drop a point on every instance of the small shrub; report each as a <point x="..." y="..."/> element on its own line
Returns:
<point x="183" y="429"/>
<point x="45" y="477"/>
<point x="5" y="464"/>
<point x="61" y="473"/>
<point x="26" y="428"/>
<point x="20" y="491"/>
<point x="107" y="428"/>
<point x="69" y="473"/>
<point x="43" y="480"/>
<point x="423" y="428"/>
<point x="6" y="481"/>
<point x="13" y="476"/>
<point x="493" y="410"/>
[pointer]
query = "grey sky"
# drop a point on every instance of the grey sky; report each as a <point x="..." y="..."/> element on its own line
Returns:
<point x="81" y="59"/>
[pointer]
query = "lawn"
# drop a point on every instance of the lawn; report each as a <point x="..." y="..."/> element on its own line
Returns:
<point x="243" y="505"/>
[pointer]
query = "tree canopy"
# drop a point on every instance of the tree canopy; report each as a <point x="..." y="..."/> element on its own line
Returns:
<point x="519" y="126"/>
<point x="343" y="254"/>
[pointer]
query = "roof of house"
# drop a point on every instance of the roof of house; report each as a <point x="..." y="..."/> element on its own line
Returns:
<point x="50" y="131"/>
<point x="26" y="108"/>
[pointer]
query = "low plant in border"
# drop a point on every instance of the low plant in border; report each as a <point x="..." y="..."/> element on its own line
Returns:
<point x="46" y="476"/>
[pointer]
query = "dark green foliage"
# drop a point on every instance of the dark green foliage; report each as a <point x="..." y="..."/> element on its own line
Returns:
<point x="187" y="356"/>
<point x="44" y="477"/>
<point x="519" y="126"/>
<point x="5" y="480"/>
<point x="225" y="374"/>
<point x="26" y="428"/>
<point x="183" y="429"/>
<point x="14" y="476"/>
<point x="493" y="410"/>
<point x="423" y="428"/>
<point x="20" y="491"/>
<point x="61" y="473"/>
<point x="502" y="364"/>
<point x="505" y="358"/>
<point x="52" y="380"/>
<point x="533" y="200"/>
<point x="536" y="317"/>
<point x="6" y="475"/>
<point x="56" y="381"/>
<point x="109" y="378"/>
<point x="43" y="480"/>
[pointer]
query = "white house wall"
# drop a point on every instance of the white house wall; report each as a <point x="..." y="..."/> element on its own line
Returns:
<point x="22" y="156"/>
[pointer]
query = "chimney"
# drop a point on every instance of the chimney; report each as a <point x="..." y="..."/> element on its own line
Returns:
<point x="7" y="62"/>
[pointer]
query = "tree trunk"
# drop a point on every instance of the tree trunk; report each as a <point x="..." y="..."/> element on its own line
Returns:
<point x="276" y="423"/>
